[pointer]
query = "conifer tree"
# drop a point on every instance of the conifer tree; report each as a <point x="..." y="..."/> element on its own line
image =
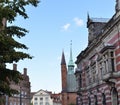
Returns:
<point x="9" y="53"/>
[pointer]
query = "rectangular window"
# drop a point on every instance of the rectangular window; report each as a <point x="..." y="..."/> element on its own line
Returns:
<point x="112" y="60"/>
<point x="46" y="98"/>
<point x="35" y="103"/>
<point x="46" y="103"/>
<point x="11" y="103"/>
<point x="35" y="98"/>
<point x="41" y="99"/>
<point x="41" y="103"/>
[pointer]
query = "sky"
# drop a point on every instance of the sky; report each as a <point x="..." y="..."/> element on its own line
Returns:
<point x="52" y="25"/>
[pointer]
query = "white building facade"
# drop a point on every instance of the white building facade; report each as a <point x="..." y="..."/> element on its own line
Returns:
<point x="43" y="98"/>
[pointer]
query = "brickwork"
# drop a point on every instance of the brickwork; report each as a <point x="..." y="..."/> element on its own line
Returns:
<point x="64" y="77"/>
<point x="99" y="78"/>
<point x="23" y="87"/>
<point x="68" y="98"/>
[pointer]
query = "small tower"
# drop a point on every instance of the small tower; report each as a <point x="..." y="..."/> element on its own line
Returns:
<point x="70" y="63"/>
<point x="95" y="26"/>
<point x="71" y="80"/>
<point x="117" y="7"/>
<point x="63" y="73"/>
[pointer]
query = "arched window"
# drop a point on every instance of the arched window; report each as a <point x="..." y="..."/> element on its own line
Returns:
<point x="89" y="100"/>
<point x="103" y="99"/>
<point x="114" y="96"/>
<point x="96" y="101"/>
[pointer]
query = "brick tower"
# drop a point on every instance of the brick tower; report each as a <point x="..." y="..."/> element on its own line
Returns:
<point x="68" y="81"/>
<point x="63" y="73"/>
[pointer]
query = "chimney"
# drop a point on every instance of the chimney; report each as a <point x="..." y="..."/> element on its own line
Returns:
<point x="25" y="71"/>
<point x="15" y="67"/>
<point x="4" y="21"/>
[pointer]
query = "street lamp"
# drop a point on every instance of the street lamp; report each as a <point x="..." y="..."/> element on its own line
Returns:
<point x="20" y="97"/>
<point x="23" y="96"/>
<point x="6" y="99"/>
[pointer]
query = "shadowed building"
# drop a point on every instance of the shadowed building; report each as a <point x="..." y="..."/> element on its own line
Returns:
<point x="98" y="66"/>
<point x="23" y="87"/>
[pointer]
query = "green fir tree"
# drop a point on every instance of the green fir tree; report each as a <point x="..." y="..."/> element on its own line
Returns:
<point x="9" y="47"/>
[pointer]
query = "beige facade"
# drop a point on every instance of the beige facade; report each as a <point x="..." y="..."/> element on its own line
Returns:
<point x="43" y="97"/>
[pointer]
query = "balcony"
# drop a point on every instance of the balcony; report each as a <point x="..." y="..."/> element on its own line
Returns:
<point x="110" y="76"/>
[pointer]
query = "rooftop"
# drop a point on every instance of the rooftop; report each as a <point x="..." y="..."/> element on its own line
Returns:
<point x="103" y="20"/>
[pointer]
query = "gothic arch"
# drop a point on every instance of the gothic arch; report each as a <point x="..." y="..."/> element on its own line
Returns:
<point x="89" y="100"/>
<point x="114" y="96"/>
<point x="103" y="99"/>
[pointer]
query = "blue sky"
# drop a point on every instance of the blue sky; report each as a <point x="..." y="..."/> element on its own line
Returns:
<point x="52" y="25"/>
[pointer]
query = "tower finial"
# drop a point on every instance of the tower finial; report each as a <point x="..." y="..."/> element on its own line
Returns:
<point x="88" y="16"/>
<point x="71" y="60"/>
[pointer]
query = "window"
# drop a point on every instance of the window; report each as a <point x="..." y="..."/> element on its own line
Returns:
<point x="89" y="100"/>
<point x="35" y="103"/>
<point x="114" y="96"/>
<point x="46" y="98"/>
<point x="14" y="103"/>
<point x="11" y="103"/>
<point x="101" y="69"/>
<point x="35" y="98"/>
<point x="41" y="99"/>
<point x="96" y="101"/>
<point x="41" y="103"/>
<point x="112" y="60"/>
<point x="47" y="103"/>
<point x="88" y="78"/>
<point x="108" y="58"/>
<point x="93" y="74"/>
<point x="103" y="99"/>
<point x="80" y="81"/>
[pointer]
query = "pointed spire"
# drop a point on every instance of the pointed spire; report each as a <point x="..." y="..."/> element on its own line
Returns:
<point x="63" y="62"/>
<point x="88" y="17"/>
<point x="71" y="60"/>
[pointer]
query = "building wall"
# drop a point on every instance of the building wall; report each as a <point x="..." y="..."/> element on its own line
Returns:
<point x="98" y="67"/>
<point x="44" y="98"/>
<point x="23" y="87"/>
<point x="69" y="98"/>
<point x="68" y="80"/>
<point x="64" y="77"/>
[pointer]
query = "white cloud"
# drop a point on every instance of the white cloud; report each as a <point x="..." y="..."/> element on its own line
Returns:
<point x="66" y="27"/>
<point x="79" y="22"/>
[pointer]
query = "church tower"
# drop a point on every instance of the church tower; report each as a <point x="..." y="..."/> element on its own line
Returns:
<point x="68" y="92"/>
<point x="63" y="73"/>
<point x="71" y="80"/>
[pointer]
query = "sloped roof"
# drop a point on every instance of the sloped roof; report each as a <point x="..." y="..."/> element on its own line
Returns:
<point x="63" y="62"/>
<point x="103" y="20"/>
<point x="43" y="92"/>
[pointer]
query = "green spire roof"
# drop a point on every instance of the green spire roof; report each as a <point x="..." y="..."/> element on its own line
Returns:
<point x="71" y="63"/>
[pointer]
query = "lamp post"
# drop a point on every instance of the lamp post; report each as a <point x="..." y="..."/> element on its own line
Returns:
<point x="6" y="99"/>
<point x="20" y="97"/>
<point x="23" y="96"/>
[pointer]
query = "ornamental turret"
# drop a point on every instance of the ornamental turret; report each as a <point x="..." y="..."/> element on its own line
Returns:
<point x="117" y="7"/>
